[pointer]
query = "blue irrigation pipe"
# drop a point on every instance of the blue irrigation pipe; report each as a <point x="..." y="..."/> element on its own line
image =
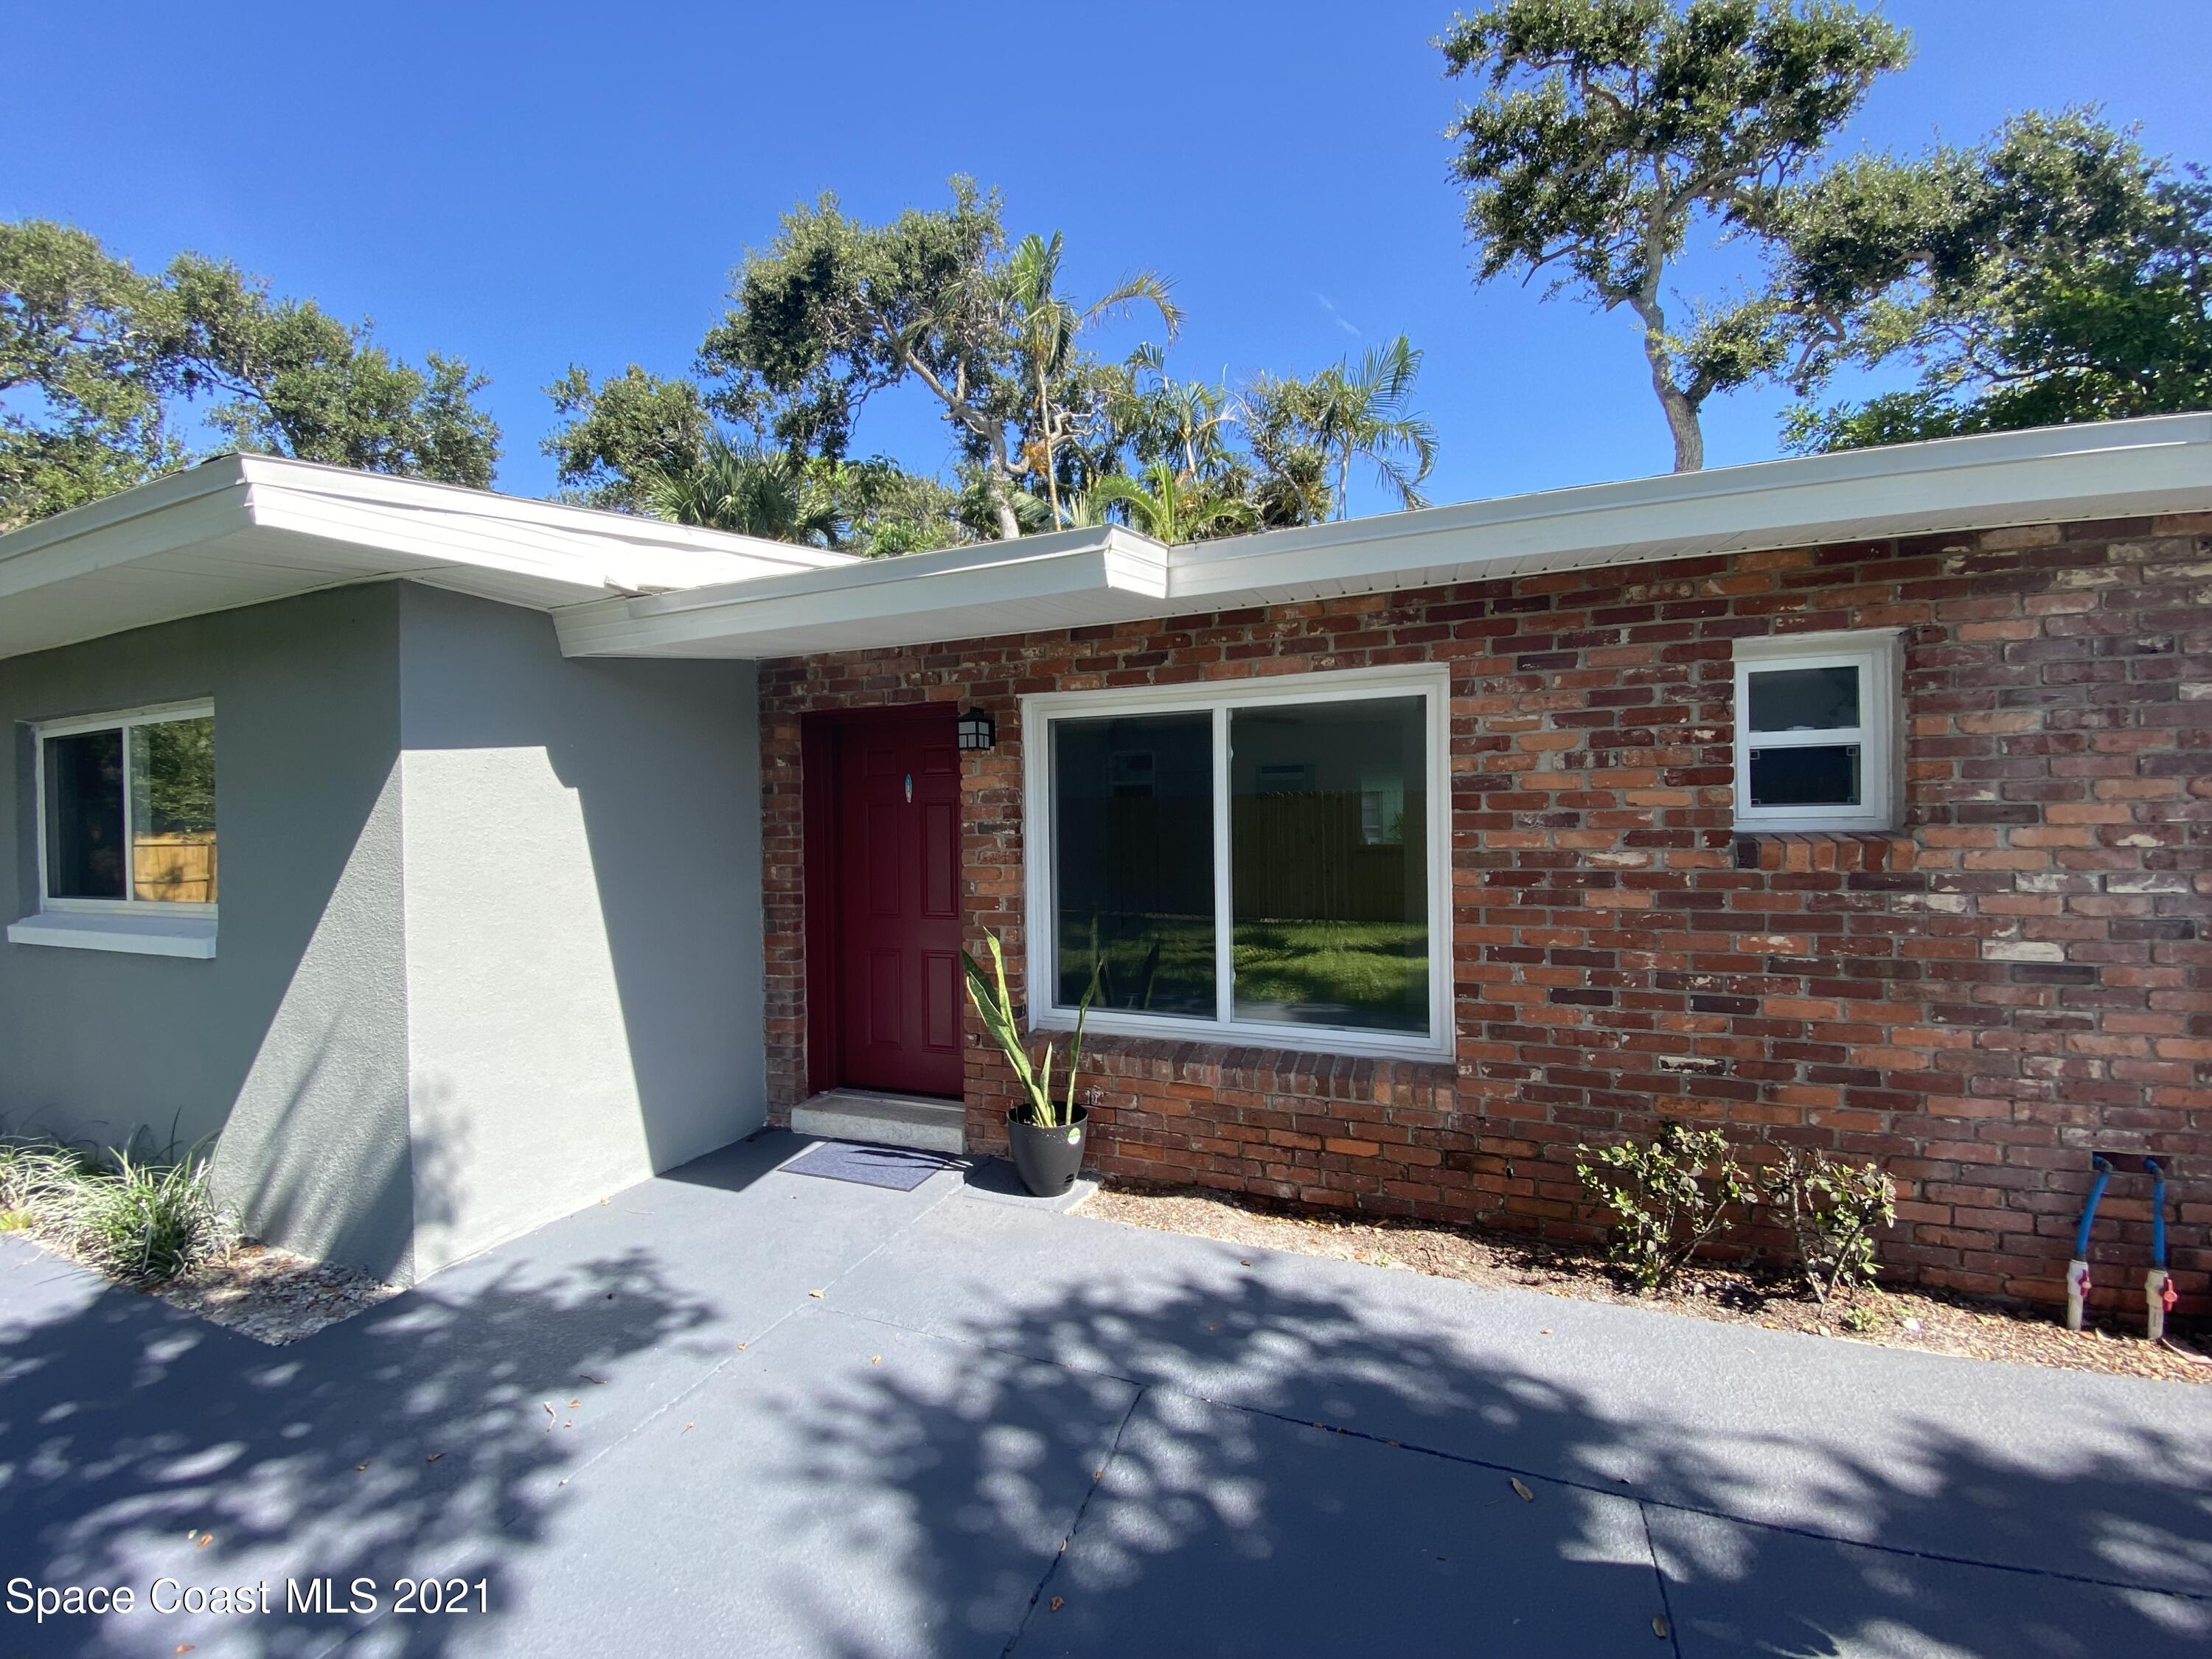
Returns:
<point x="2157" y="1213"/>
<point x="2104" y="1170"/>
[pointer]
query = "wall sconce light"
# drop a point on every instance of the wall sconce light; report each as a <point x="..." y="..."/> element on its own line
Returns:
<point x="978" y="731"/>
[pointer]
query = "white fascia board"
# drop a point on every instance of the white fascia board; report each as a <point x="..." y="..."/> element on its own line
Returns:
<point x="370" y="542"/>
<point x="741" y="597"/>
<point x="583" y="551"/>
<point x="1055" y="580"/>
<point x="585" y="525"/>
<point x="249" y="529"/>
<point x="180" y="510"/>
<point x="2162" y="464"/>
<point x="2122" y="468"/>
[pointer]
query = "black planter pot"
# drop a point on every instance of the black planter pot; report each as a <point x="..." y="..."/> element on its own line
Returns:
<point x="1047" y="1159"/>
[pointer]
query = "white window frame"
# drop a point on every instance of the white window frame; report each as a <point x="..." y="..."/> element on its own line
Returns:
<point x="129" y="924"/>
<point x="1431" y="681"/>
<point x="1878" y="654"/>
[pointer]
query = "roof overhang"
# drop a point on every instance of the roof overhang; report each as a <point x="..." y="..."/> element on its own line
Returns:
<point x="2121" y="469"/>
<point x="1064" y="580"/>
<point x="245" y="529"/>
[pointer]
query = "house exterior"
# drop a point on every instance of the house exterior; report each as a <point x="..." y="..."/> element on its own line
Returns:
<point x="1860" y="801"/>
<point x="463" y="970"/>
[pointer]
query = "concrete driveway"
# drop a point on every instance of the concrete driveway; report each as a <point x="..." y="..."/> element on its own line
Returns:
<point x="739" y="1411"/>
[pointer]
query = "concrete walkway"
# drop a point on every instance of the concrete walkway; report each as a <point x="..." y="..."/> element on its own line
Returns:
<point x="736" y="1411"/>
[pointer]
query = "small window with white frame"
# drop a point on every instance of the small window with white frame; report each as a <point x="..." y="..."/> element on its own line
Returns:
<point x="1264" y="862"/>
<point x="127" y="813"/>
<point x="1816" y="732"/>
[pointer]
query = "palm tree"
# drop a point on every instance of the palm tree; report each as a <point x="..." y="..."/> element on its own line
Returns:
<point x="1046" y="325"/>
<point x="1167" y="505"/>
<point x="1289" y="485"/>
<point x="737" y="487"/>
<point x="1347" y="412"/>
<point x="1185" y="422"/>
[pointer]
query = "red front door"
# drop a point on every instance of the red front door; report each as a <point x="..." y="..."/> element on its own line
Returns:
<point x="897" y="828"/>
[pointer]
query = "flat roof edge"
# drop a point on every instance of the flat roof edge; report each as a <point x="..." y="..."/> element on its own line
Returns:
<point x="1986" y="481"/>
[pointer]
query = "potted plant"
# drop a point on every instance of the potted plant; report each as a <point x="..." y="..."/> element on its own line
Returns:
<point x="1044" y="1135"/>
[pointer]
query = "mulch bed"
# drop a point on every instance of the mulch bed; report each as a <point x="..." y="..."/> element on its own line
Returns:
<point x="272" y="1295"/>
<point x="1933" y="1322"/>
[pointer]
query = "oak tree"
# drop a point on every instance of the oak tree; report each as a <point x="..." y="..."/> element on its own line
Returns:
<point x="109" y="374"/>
<point x="1607" y="130"/>
<point x="2054" y="273"/>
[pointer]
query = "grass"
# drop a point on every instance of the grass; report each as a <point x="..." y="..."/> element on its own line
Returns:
<point x="141" y="1219"/>
<point x="1377" y="968"/>
<point x="1165" y="963"/>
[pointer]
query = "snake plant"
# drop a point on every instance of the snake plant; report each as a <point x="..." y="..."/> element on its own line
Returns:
<point x="992" y="1001"/>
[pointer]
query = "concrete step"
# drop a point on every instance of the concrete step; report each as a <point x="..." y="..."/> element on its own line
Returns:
<point x="929" y="1126"/>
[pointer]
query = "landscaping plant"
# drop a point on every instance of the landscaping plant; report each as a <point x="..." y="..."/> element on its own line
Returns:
<point x="33" y="1174"/>
<point x="146" y="1222"/>
<point x="1669" y="1195"/>
<point x="996" y="1005"/>
<point x="143" y="1219"/>
<point x="1831" y="1211"/>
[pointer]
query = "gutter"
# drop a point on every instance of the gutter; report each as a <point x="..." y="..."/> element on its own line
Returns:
<point x="2055" y="474"/>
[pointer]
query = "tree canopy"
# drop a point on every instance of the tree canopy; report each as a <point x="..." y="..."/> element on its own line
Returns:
<point x="834" y="310"/>
<point x="619" y="433"/>
<point x="1044" y="432"/>
<point x="110" y="372"/>
<point x="1607" y="129"/>
<point x="2054" y="273"/>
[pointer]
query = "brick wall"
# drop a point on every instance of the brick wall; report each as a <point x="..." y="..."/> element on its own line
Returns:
<point x="2018" y="976"/>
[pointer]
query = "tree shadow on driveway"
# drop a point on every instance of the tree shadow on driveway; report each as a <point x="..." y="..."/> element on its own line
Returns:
<point x="137" y="1443"/>
<point x="1190" y="1459"/>
<point x="1301" y="1474"/>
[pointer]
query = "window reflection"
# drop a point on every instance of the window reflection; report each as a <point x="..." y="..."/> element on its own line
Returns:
<point x="173" y="810"/>
<point x="84" y="816"/>
<point x="130" y="812"/>
<point x="1804" y="699"/>
<point x="1133" y="849"/>
<point x="1329" y="864"/>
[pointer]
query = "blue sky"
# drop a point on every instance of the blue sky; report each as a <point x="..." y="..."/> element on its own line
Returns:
<point x="528" y="186"/>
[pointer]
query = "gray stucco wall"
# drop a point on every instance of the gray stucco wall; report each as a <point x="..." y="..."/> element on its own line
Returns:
<point x="582" y="856"/>
<point x="490" y="942"/>
<point x="292" y="1039"/>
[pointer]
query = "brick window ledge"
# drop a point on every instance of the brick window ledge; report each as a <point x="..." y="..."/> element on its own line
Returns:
<point x="1823" y="849"/>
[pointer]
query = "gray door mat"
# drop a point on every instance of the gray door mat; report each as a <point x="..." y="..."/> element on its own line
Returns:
<point x="902" y="1168"/>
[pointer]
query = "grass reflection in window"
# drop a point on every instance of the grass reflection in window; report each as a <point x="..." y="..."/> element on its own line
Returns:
<point x="1375" y="974"/>
<point x="1294" y="972"/>
<point x="1325" y="853"/>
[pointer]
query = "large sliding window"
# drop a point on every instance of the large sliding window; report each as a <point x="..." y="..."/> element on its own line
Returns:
<point x="1261" y="862"/>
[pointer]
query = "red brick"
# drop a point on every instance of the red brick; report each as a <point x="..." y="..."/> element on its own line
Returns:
<point x="1982" y="999"/>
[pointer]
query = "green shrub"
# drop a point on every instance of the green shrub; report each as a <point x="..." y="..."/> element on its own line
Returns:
<point x="35" y="1173"/>
<point x="1831" y="1211"/>
<point x="143" y="1218"/>
<point x="146" y="1222"/>
<point x="1669" y="1195"/>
